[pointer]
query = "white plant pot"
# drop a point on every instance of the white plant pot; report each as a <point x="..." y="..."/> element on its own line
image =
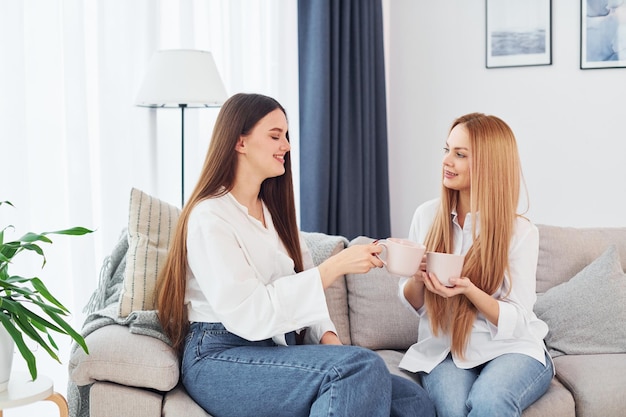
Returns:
<point x="6" y="357"/>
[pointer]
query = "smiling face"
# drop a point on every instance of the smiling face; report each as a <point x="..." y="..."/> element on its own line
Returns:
<point x="457" y="160"/>
<point x="262" y="152"/>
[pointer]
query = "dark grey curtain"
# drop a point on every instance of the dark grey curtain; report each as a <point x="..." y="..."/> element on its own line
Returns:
<point x="343" y="120"/>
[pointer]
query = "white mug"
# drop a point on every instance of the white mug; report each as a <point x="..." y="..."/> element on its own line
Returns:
<point x="444" y="266"/>
<point x="401" y="256"/>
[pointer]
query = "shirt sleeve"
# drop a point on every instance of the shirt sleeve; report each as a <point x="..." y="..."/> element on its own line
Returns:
<point x="248" y="303"/>
<point x="518" y="294"/>
<point x="401" y="284"/>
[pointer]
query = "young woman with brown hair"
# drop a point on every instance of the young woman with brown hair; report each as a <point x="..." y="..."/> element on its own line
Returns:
<point x="480" y="349"/>
<point x="239" y="283"/>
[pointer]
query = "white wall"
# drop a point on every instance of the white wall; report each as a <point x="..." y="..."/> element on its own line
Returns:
<point x="569" y="123"/>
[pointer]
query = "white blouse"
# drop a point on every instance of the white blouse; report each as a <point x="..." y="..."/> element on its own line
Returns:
<point x="518" y="330"/>
<point x="239" y="274"/>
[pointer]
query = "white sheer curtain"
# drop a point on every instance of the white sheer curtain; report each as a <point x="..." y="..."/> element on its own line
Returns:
<point x="72" y="143"/>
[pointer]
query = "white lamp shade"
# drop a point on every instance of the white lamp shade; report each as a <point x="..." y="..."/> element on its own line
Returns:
<point x="181" y="76"/>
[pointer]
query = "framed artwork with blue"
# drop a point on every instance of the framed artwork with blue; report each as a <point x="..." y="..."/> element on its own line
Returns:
<point x="519" y="33"/>
<point x="602" y="34"/>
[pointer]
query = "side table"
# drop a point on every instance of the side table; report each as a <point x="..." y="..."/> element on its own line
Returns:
<point x="22" y="391"/>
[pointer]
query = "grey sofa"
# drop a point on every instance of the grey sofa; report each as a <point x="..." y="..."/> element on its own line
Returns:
<point x="131" y="373"/>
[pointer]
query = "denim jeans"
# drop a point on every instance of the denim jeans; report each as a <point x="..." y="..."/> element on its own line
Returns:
<point x="230" y="376"/>
<point x="504" y="386"/>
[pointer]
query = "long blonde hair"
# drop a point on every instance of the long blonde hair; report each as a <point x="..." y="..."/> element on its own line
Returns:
<point x="495" y="172"/>
<point x="237" y="117"/>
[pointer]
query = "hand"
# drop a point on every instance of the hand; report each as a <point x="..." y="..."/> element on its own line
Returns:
<point x="330" y="338"/>
<point x="462" y="285"/>
<point x="357" y="259"/>
<point x="484" y="303"/>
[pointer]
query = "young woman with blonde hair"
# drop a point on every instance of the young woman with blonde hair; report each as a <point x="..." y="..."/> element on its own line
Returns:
<point x="480" y="349"/>
<point x="239" y="284"/>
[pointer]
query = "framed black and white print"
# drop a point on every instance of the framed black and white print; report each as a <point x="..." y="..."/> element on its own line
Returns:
<point x="602" y="34"/>
<point x="519" y="33"/>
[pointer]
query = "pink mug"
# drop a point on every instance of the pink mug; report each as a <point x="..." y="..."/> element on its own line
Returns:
<point x="444" y="266"/>
<point x="401" y="256"/>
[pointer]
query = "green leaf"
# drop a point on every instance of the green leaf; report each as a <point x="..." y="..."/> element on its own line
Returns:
<point x="23" y="321"/>
<point x="35" y="237"/>
<point x="17" y="279"/>
<point x="43" y="290"/>
<point x="33" y="247"/>
<point x="28" y="356"/>
<point x="74" y="231"/>
<point x="20" y="310"/>
<point x="47" y="307"/>
<point x="70" y="331"/>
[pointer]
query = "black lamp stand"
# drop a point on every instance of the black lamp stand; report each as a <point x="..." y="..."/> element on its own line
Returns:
<point x="182" y="154"/>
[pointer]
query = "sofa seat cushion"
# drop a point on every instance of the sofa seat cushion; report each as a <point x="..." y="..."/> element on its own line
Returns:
<point x="378" y="319"/>
<point x="116" y="355"/>
<point x="392" y="359"/>
<point x="597" y="383"/>
<point x="177" y="403"/>
<point x="113" y="400"/>
<point x="556" y="402"/>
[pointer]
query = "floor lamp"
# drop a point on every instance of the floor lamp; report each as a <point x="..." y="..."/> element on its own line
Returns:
<point x="181" y="78"/>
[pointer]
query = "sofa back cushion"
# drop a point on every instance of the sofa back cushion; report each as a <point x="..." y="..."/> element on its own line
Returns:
<point x="564" y="251"/>
<point x="321" y="247"/>
<point x="378" y="319"/>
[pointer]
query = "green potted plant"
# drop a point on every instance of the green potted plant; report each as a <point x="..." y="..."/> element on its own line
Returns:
<point x="27" y="308"/>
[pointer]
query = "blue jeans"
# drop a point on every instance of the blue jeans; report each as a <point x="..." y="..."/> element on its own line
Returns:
<point x="230" y="376"/>
<point x="504" y="386"/>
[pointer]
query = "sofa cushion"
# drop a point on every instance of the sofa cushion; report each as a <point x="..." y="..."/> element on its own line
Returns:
<point x="586" y="314"/>
<point x="563" y="251"/>
<point x="177" y="403"/>
<point x="321" y="247"/>
<point x="392" y="359"/>
<point x="114" y="400"/>
<point x="116" y="355"/>
<point x="378" y="319"/>
<point x="596" y="382"/>
<point x="151" y="226"/>
<point x="556" y="402"/>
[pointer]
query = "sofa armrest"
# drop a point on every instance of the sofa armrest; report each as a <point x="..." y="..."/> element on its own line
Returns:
<point x="116" y="355"/>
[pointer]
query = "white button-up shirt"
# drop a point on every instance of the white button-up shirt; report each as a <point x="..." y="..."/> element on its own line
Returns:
<point x="518" y="330"/>
<point x="241" y="275"/>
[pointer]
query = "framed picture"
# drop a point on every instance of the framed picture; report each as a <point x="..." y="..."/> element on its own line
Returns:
<point x="602" y="34"/>
<point x="519" y="33"/>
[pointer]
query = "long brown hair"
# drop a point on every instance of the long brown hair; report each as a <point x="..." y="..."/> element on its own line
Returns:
<point x="237" y="118"/>
<point x="495" y="172"/>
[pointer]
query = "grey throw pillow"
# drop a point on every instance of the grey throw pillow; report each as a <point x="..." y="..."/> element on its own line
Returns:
<point x="378" y="319"/>
<point x="586" y="315"/>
